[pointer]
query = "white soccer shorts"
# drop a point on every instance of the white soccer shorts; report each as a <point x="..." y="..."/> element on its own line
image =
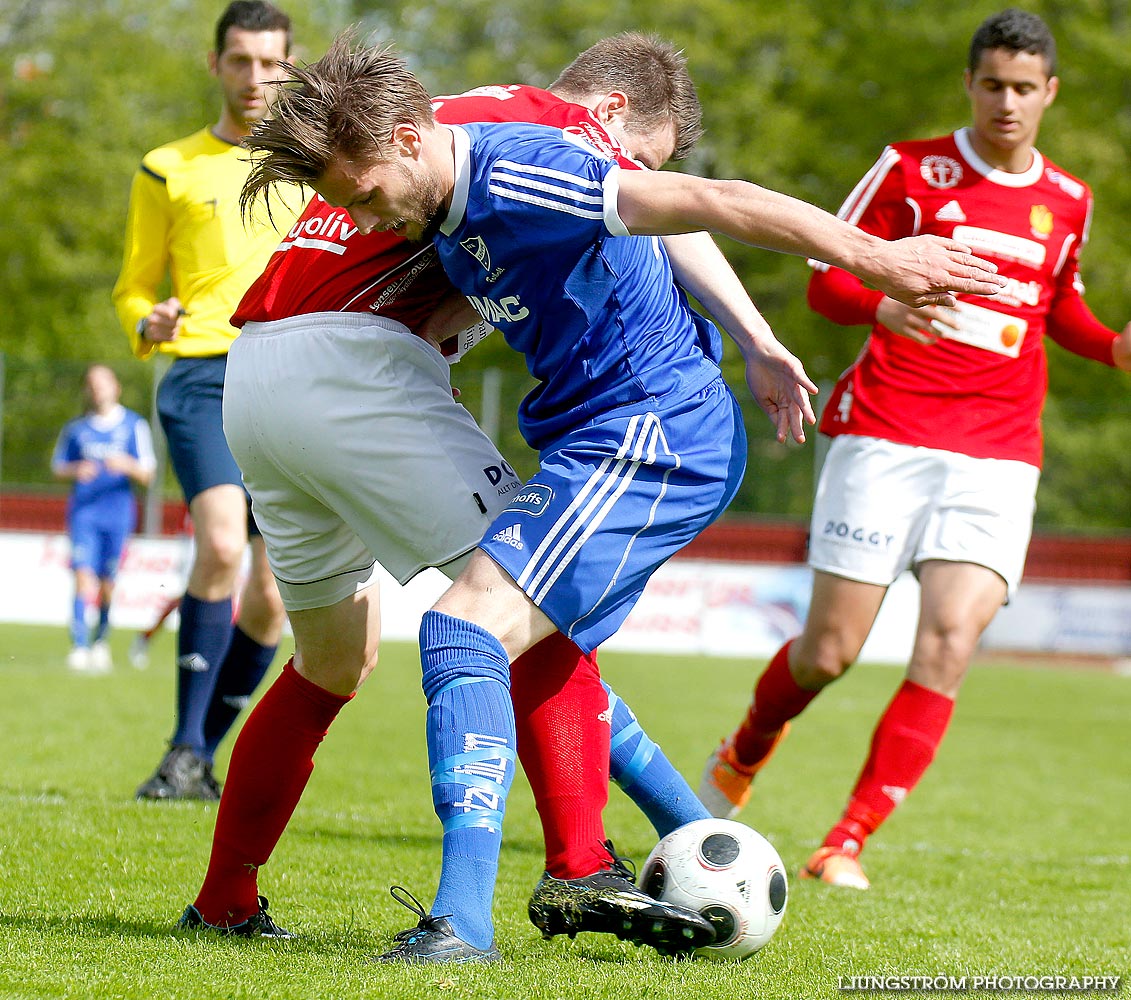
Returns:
<point x="354" y="451"/>
<point x="883" y="507"/>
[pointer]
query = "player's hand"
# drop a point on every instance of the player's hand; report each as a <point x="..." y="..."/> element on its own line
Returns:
<point x="924" y="325"/>
<point x="778" y="383"/>
<point x="85" y="470"/>
<point x="118" y="464"/>
<point x="452" y="315"/>
<point x="164" y="321"/>
<point x="1121" y="349"/>
<point x="931" y="270"/>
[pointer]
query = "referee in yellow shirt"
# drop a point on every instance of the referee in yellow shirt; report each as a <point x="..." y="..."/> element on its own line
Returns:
<point x="184" y="221"/>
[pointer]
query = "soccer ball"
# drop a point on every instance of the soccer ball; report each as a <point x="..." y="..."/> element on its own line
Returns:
<point x="727" y="872"/>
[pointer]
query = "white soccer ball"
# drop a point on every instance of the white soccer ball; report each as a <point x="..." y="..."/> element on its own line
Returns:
<point x="727" y="872"/>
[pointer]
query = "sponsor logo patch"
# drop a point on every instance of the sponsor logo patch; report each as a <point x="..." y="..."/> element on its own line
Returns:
<point x="497" y="473"/>
<point x="1003" y="245"/>
<point x="863" y="537"/>
<point x="533" y="500"/>
<point x="508" y="309"/>
<point x="592" y="137"/>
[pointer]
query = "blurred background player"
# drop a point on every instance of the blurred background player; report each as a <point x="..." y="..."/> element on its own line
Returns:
<point x="103" y="453"/>
<point x="184" y="221"/>
<point x="936" y="430"/>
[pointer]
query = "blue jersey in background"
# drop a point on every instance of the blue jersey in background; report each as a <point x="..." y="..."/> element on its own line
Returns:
<point x="107" y="498"/>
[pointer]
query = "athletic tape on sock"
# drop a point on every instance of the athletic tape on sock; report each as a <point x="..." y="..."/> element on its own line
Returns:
<point x="445" y="773"/>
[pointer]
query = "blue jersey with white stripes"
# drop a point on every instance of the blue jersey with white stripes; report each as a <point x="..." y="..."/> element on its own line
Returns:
<point x="534" y="240"/>
<point x="108" y="497"/>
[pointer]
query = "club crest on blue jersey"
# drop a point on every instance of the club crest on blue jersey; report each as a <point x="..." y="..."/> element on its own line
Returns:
<point x="475" y="246"/>
<point x="533" y="500"/>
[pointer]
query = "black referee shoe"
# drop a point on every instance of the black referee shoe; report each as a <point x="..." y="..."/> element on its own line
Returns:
<point x="182" y="774"/>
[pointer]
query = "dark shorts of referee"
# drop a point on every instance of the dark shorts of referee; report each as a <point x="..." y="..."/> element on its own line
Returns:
<point x="190" y="404"/>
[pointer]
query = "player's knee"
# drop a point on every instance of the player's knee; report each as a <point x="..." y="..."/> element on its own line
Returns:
<point x="813" y="668"/>
<point x="340" y="677"/>
<point x="941" y="659"/>
<point x="219" y="553"/>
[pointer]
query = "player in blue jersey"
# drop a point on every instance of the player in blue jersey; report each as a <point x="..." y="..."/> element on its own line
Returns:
<point x="641" y="442"/>
<point x="104" y="453"/>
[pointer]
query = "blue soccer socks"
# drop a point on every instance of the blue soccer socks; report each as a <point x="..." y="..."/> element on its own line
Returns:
<point x="646" y="775"/>
<point x="80" y="630"/>
<point x="103" y="632"/>
<point x="471" y="757"/>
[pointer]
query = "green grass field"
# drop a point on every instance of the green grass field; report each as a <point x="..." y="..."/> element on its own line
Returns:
<point x="1012" y="857"/>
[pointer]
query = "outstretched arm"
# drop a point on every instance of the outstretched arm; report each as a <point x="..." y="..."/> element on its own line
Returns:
<point x="918" y="270"/>
<point x="775" y="378"/>
<point x="1075" y="328"/>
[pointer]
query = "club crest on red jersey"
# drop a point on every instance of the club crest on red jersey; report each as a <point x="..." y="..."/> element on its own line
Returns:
<point x="940" y="171"/>
<point x="1040" y="221"/>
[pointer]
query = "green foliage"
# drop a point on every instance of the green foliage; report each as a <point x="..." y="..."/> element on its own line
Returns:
<point x="1010" y="869"/>
<point x="1086" y="456"/>
<point x="799" y="97"/>
<point x="78" y="116"/>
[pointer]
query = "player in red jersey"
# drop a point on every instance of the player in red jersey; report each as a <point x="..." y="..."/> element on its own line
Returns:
<point x="369" y="456"/>
<point x="936" y="430"/>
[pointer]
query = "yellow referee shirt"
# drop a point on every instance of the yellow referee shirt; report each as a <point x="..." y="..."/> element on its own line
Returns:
<point x="184" y="221"/>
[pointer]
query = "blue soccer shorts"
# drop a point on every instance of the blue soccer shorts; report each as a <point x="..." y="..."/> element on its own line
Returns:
<point x="97" y="543"/>
<point x="612" y="501"/>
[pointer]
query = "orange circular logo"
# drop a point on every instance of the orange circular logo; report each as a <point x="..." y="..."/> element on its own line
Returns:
<point x="1009" y="335"/>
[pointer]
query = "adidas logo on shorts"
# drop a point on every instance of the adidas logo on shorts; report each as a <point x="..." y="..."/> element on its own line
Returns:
<point x="509" y="536"/>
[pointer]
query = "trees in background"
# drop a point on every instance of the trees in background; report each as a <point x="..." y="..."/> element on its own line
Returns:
<point x="800" y="97"/>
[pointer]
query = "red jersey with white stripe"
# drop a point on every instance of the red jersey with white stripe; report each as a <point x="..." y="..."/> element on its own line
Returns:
<point x="325" y="265"/>
<point x="979" y="392"/>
